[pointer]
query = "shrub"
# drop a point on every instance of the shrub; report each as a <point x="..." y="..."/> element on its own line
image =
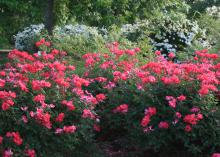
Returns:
<point x="26" y="39"/>
<point x="211" y="26"/>
<point x="175" y="32"/>
<point x="213" y="11"/>
<point x="45" y="110"/>
<point x="107" y="13"/>
<point x="130" y="36"/>
<point x="171" y="32"/>
<point x="77" y="39"/>
<point x="159" y="106"/>
<point x="48" y="110"/>
<point x="136" y="31"/>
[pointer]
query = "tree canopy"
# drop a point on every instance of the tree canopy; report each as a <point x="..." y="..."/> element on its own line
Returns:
<point x="99" y="13"/>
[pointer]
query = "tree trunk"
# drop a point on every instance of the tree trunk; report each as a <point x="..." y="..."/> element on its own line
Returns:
<point x="49" y="17"/>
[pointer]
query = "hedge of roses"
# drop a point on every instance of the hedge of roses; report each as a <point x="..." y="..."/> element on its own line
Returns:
<point x="159" y="106"/>
<point x="44" y="108"/>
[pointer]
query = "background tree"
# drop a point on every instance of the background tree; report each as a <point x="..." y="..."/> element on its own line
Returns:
<point x="49" y="17"/>
<point x="108" y="12"/>
<point x="15" y="15"/>
<point x="61" y="11"/>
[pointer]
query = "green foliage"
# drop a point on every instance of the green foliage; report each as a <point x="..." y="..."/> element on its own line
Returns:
<point x="108" y="12"/>
<point x="129" y="38"/>
<point x="212" y="27"/>
<point x="61" y="11"/>
<point x="16" y="15"/>
<point x="77" y="39"/>
<point x="3" y="59"/>
<point x="198" y="7"/>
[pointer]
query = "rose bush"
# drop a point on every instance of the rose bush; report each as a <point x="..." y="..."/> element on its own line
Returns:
<point x="45" y="110"/>
<point x="159" y="106"/>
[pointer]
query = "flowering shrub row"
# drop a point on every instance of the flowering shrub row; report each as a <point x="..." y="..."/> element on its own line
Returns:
<point x="164" y="33"/>
<point x="48" y="109"/>
<point x="44" y="105"/>
<point x="174" y="103"/>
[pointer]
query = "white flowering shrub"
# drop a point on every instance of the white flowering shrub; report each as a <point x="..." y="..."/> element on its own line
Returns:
<point x="169" y="33"/>
<point x="25" y="40"/>
<point x="213" y="11"/>
<point x="77" y="30"/>
<point x="136" y="31"/>
<point x="175" y="35"/>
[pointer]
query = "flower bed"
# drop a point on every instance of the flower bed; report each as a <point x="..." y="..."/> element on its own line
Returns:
<point x="44" y="108"/>
<point x="159" y="106"/>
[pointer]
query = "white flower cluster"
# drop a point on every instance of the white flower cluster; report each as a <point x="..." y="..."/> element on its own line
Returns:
<point x="165" y="34"/>
<point x="175" y="35"/>
<point x="77" y="30"/>
<point x="204" y="43"/>
<point x="132" y="28"/>
<point x="24" y="40"/>
<point x="134" y="31"/>
<point x="104" y="32"/>
<point x="213" y="11"/>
